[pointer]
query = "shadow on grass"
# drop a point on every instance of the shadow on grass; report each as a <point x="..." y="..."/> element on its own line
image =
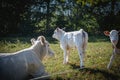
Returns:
<point x="50" y="39"/>
<point x="25" y="39"/>
<point x="98" y="38"/>
<point x="14" y="39"/>
<point x="106" y="74"/>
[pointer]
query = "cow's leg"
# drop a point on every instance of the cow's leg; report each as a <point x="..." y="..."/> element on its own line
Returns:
<point x="81" y="55"/>
<point x="111" y="60"/>
<point x="40" y="73"/>
<point x="41" y="76"/>
<point x="65" y="56"/>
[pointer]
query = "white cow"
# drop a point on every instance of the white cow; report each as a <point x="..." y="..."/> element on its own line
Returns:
<point x="115" y="40"/>
<point x="75" y="39"/>
<point x="25" y="63"/>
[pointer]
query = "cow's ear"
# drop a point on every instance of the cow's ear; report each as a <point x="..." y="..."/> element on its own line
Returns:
<point x="64" y="28"/>
<point x="57" y="28"/>
<point x="32" y="41"/>
<point x="107" y="33"/>
<point x="42" y="39"/>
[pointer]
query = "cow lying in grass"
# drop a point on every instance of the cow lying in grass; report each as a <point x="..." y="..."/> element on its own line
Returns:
<point x="115" y="40"/>
<point x="75" y="39"/>
<point x="24" y="63"/>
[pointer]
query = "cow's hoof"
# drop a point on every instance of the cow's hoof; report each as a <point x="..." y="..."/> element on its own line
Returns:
<point x="65" y="62"/>
<point x="108" y="67"/>
<point x="82" y="67"/>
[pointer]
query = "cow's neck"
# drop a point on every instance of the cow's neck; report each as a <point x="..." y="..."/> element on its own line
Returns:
<point x="61" y="35"/>
<point x="38" y="51"/>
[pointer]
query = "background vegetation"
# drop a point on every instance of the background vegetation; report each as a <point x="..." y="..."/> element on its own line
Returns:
<point x="20" y="20"/>
<point x="28" y="17"/>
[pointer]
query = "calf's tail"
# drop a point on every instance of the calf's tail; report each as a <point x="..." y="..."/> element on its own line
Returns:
<point x="85" y="39"/>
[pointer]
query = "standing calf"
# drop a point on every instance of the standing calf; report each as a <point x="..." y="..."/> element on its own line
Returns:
<point x="75" y="39"/>
<point x="115" y="40"/>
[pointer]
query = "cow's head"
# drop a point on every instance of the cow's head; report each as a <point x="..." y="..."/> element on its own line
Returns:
<point x="58" y="33"/>
<point x="43" y="45"/>
<point x="114" y="36"/>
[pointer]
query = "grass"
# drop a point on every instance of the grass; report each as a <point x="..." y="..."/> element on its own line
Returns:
<point x="98" y="53"/>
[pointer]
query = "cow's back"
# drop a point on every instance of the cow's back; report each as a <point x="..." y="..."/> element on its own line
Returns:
<point x="69" y="39"/>
<point x="20" y="66"/>
<point x="75" y="38"/>
<point x="13" y="67"/>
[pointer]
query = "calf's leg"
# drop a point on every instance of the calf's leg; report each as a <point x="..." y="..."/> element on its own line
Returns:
<point x="65" y="61"/>
<point x="81" y="55"/>
<point x="111" y="60"/>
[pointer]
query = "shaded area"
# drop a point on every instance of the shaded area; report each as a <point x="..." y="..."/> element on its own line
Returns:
<point x="105" y="73"/>
<point x="96" y="38"/>
<point x="25" y="39"/>
<point x="14" y="39"/>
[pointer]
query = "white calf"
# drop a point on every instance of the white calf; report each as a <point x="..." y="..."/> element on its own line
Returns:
<point x="75" y="39"/>
<point x="115" y="40"/>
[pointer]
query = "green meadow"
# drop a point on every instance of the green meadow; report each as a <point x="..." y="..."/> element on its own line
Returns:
<point x="97" y="57"/>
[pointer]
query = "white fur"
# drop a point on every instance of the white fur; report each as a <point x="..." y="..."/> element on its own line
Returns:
<point x="113" y="34"/>
<point x="24" y="63"/>
<point x="74" y="39"/>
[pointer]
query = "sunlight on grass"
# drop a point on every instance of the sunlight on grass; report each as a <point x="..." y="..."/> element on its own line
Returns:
<point x="9" y="47"/>
<point x="96" y="60"/>
<point x="97" y="57"/>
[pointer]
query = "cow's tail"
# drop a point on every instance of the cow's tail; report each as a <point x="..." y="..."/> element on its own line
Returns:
<point x="85" y="39"/>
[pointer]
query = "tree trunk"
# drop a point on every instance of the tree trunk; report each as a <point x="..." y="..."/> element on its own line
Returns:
<point x="112" y="7"/>
<point x="48" y="16"/>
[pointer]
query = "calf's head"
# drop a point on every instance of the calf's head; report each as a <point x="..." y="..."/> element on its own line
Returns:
<point x="58" y="33"/>
<point x="114" y="36"/>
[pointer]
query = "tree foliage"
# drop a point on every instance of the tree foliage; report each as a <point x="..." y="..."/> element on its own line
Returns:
<point x="43" y="16"/>
<point x="12" y="13"/>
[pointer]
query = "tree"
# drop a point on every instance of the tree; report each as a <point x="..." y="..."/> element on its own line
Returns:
<point x="41" y="16"/>
<point x="12" y="13"/>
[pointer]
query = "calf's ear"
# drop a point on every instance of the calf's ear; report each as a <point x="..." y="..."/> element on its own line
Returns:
<point x="32" y="41"/>
<point x="57" y="28"/>
<point x="64" y="28"/>
<point x="107" y="33"/>
<point x="42" y="39"/>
